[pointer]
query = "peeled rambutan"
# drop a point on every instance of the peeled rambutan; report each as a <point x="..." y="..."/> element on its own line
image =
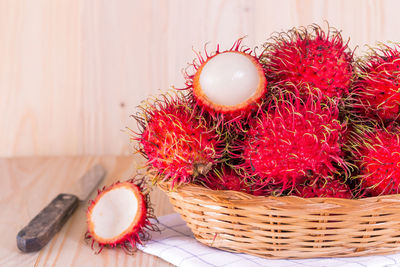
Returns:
<point x="119" y="216"/>
<point x="377" y="154"/>
<point x="227" y="84"/>
<point x="176" y="141"/>
<point x="310" y="59"/>
<point x="377" y="90"/>
<point x="325" y="187"/>
<point x="292" y="140"/>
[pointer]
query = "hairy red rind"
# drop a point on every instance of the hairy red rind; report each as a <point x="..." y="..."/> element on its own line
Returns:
<point x="378" y="157"/>
<point x="325" y="187"/>
<point x="310" y="60"/>
<point x="226" y="178"/>
<point x="137" y="231"/>
<point x="377" y="90"/>
<point x="293" y="139"/>
<point x="176" y="141"/>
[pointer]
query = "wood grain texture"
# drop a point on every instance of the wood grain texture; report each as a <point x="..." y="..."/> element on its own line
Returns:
<point x="30" y="183"/>
<point x="71" y="72"/>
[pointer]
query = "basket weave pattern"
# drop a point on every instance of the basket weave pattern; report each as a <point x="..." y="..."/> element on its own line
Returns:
<point x="289" y="227"/>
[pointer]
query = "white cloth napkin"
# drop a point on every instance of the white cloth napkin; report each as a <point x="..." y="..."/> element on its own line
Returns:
<point x="176" y="245"/>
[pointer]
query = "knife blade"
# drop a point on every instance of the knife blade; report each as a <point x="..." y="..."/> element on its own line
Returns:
<point x="50" y="220"/>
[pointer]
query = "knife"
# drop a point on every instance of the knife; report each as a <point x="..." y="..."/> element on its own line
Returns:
<point x="50" y="220"/>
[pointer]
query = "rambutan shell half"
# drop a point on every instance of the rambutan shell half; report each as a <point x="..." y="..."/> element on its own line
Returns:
<point x="116" y="214"/>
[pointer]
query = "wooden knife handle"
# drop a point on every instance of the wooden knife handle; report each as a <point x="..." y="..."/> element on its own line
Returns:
<point x="47" y="223"/>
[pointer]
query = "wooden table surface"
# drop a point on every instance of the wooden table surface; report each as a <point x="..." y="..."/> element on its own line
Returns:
<point x="30" y="183"/>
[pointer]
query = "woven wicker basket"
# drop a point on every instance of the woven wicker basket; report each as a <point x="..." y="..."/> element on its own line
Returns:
<point x="289" y="227"/>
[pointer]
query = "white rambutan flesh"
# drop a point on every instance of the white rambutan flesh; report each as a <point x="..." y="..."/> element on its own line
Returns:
<point x="119" y="215"/>
<point x="229" y="79"/>
<point x="114" y="213"/>
<point x="229" y="82"/>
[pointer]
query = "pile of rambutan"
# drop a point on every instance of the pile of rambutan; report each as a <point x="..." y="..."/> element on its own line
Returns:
<point x="305" y="117"/>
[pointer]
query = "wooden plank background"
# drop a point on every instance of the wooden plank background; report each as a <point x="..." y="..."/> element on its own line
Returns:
<point x="71" y="72"/>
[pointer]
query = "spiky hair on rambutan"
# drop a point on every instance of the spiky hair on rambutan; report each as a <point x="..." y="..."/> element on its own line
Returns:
<point x="377" y="155"/>
<point x="377" y="89"/>
<point x="224" y="177"/>
<point x="310" y="60"/>
<point x="120" y="216"/>
<point x="331" y="187"/>
<point x="176" y="141"/>
<point x="294" y="139"/>
<point x="226" y="85"/>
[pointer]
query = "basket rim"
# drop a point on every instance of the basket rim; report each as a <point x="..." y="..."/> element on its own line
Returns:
<point x="235" y="197"/>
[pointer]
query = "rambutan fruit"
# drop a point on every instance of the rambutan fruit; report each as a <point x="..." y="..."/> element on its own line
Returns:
<point x="119" y="216"/>
<point x="311" y="60"/>
<point x="377" y="154"/>
<point x="223" y="178"/>
<point x="293" y="140"/>
<point x="227" y="84"/>
<point x="325" y="187"/>
<point x="176" y="141"/>
<point x="377" y="90"/>
<point x="226" y="178"/>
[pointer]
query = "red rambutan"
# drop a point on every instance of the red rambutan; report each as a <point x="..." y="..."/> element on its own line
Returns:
<point x="176" y="141"/>
<point x="378" y="157"/>
<point x="226" y="178"/>
<point x="223" y="178"/>
<point x="311" y="60"/>
<point x="119" y="216"/>
<point x="325" y="187"/>
<point x="227" y="85"/>
<point x="292" y="140"/>
<point x="377" y="90"/>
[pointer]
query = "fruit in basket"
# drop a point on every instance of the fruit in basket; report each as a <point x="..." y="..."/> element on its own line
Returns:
<point x="311" y="60"/>
<point x="377" y="92"/>
<point x="176" y="141"/>
<point x="223" y="178"/>
<point x="294" y="134"/>
<point x="325" y="187"/>
<point x="377" y="155"/>
<point x="226" y="178"/>
<point x="227" y="84"/>
<point x="292" y="140"/>
<point x="119" y="216"/>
